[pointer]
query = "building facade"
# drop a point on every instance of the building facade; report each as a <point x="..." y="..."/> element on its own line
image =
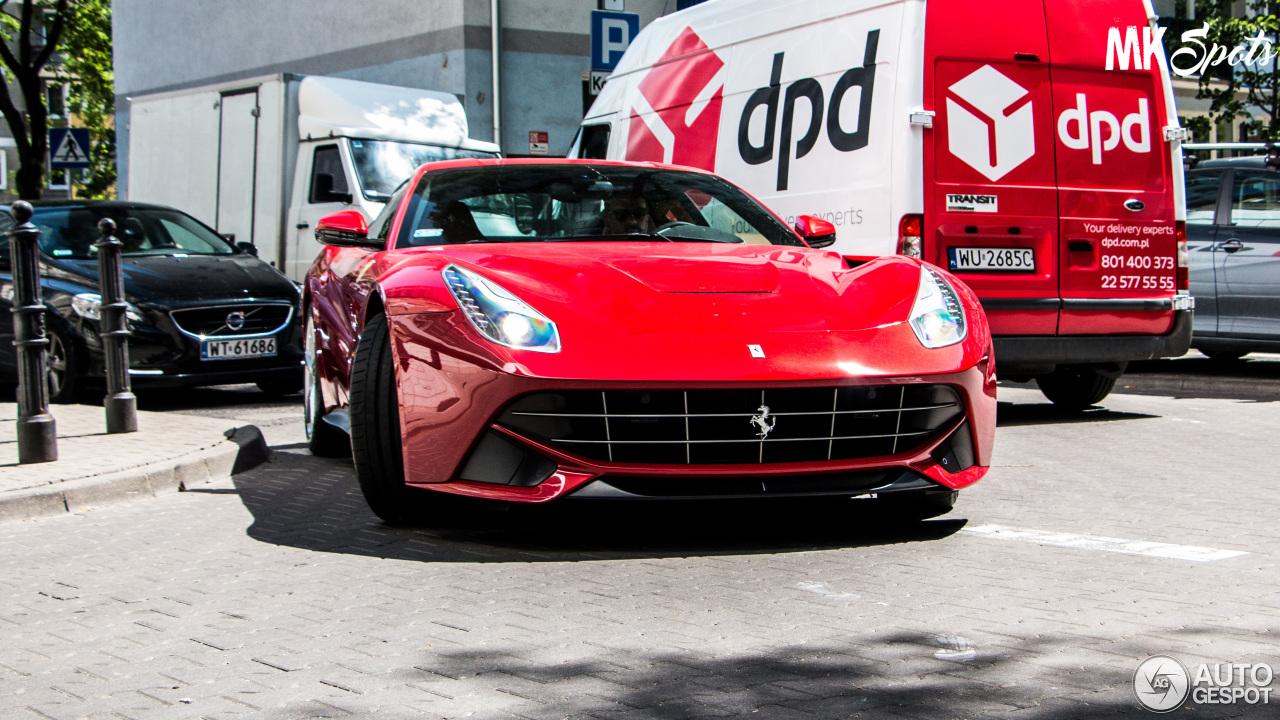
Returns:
<point x="161" y="45"/>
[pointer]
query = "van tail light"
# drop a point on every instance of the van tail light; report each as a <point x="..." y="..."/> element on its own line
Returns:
<point x="911" y="236"/>
<point x="1184" y="262"/>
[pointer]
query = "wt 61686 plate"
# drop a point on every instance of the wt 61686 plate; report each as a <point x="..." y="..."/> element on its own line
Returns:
<point x="978" y="259"/>
<point x="242" y="349"/>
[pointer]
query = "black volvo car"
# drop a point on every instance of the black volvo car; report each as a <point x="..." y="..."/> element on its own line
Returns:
<point x="201" y="310"/>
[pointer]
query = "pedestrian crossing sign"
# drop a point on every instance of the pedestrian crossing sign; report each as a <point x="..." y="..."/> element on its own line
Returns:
<point x="68" y="148"/>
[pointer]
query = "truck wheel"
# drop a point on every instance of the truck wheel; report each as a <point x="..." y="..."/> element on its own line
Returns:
<point x="376" y="445"/>
<point x="323" y="440"/>
<point x="918" y="504"/>
<point x="1077" y="387"/>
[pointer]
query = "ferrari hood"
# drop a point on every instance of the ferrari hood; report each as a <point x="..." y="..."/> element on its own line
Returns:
<point x="655" y="287"/>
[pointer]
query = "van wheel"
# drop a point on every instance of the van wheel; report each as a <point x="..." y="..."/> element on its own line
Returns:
<point x="1077" y="387"/>
<point x="917" y="504"/>
<point x="376" y="444"/>
<point x="323" y="440"/>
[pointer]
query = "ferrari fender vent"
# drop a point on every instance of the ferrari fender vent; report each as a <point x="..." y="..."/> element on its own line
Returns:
<point x="233" y="320"/>
<point x="733" y="426"/>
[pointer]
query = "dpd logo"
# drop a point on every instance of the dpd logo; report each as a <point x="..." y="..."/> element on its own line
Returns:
<point x="688" y="93"/>
<point x="987" y="127"/>
<point x="808" y="88"/>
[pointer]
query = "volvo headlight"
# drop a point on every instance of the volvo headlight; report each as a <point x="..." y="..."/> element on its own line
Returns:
<point x="937" y="316"/>
<point x="89" y="307"/>
<point x="498" y="315"/>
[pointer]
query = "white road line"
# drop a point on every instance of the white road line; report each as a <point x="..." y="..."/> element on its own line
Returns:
<point x="1107" y="544"/>
<point x="820" y="588"/>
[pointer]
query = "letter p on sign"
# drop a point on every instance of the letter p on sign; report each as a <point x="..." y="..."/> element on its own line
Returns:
<point x="611" y="35"/>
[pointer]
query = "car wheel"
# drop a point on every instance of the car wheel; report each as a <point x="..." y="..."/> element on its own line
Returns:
<point x="1076" y="388"/>
<point x="376" y="444"/>
<point x="1224" y="356"/>
<point x="63" y="363"/>
<point x="918" y="504"/>
<point x="323" y="440"/>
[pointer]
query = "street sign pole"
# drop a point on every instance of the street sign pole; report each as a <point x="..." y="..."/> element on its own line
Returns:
<point x="37" y="430"/>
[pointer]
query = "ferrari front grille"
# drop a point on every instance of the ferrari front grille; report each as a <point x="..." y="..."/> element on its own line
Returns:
<point x="736" y="426"/>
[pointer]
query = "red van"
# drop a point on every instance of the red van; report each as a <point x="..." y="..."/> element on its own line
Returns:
<point x="1033" y="151"/>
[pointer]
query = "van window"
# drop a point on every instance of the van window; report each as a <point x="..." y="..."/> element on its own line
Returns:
<point x="1202" y="195"/>
<point x="328" y="160"/>
<point x="595" y="142"/>
<point x="1255" y="199"/>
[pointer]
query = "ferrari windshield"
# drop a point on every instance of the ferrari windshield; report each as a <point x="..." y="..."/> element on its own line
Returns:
<point x="522" y="203"/>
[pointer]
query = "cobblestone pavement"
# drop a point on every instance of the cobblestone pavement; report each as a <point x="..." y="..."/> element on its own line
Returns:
<point x="281" y="596"/>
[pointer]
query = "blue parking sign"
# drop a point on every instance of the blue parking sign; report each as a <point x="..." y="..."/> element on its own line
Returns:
<point x="611" y="33"/>
<point x="68" y="148"/>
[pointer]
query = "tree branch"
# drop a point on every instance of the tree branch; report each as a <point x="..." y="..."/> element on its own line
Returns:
<point x="24" y="34"/>
<point x="54" y="36"/>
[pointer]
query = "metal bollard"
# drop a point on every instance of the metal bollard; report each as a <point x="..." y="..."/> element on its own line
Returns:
<point x="37" y="431"/>
<point x="121" y="404"/>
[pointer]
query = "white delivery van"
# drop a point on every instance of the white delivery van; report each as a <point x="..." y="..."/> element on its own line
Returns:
<point x="263" y="159"/>
<point x="1031" y="147"/>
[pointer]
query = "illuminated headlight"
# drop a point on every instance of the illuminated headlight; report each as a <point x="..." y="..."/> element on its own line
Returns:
<point x="498" y="315"/>
<point x="89" y="307"/>
<point x="937" y="316"/>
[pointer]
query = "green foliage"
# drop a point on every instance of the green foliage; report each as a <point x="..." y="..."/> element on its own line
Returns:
<point x="86" y="67"/>
<point x="1248" y="91"/>
<point x="70" y="41"/>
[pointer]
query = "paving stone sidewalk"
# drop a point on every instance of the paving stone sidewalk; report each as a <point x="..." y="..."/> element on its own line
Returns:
<point x="169" y="451"/>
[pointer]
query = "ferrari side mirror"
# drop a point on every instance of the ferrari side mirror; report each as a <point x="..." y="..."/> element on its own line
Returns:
<point x="345" y="228"/>
<point x="818" y="233"/>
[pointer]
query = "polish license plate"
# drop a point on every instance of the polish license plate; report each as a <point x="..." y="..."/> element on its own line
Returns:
<point x="968" y="259"/>
<point x="243" y="349"/>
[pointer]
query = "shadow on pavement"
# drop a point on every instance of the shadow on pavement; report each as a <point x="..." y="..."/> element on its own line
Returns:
<point x="206" y="398"/>
<point x="315" y="504"/>
<point x="1046" y="413"/>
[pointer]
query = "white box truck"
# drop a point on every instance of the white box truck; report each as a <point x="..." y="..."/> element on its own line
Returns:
<point x="261" y="160"/>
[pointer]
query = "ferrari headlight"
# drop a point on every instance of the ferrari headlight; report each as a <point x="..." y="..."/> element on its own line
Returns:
<point x="937" y="316"/>
<point x="498" y="315"/>
<point x="89" y="307"/>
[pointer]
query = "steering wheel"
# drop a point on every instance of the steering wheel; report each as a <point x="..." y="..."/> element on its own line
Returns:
<point x="672" y="224"/>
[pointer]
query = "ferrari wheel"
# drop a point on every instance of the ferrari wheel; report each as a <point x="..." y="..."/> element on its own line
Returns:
<point x="323" y="440"/>
<point x="918" y="504"/>
<point x="375" y="427"/>
<point x="1076" y="388"/>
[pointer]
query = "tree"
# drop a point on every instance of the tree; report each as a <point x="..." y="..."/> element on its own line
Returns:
<point x="86" y="67"/>
<point x="1243" y="90"/>
<point x="32" y="31"/>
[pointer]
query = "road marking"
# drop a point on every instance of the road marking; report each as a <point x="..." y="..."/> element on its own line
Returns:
<point x="1107" y="544"/>
<point x="821" y="588"/>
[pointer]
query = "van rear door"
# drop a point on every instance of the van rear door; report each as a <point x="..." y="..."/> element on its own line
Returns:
<point x="1115" y="174"/>
<point x="990" y="191"/>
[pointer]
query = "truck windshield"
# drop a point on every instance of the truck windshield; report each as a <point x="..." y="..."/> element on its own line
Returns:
<point x="383" y="164"/>
<point x="70" y="232"/>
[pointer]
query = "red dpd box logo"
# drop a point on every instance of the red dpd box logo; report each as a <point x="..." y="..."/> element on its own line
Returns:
<point x="681" y="132"/>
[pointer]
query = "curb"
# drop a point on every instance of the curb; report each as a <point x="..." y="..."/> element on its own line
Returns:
<point x="244" y="449"/>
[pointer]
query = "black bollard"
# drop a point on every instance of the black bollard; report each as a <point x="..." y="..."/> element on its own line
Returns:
<point x="37" y="431"/>
<point x="121" y="404"/>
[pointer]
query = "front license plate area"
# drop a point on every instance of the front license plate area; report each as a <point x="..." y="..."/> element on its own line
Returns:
<point x="242" y="349"/>
<point x="979" y="259"/>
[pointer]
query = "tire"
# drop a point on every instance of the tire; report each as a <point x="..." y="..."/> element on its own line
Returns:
<point x="1224" y="356"/>
<point x="917" y="504"/>
<point x="376" y="444"/>
<point x="63" y="361"/>
<point x="280" y="388"/>
<point x="1076" y="388"/>
<point x="323" y="440"/>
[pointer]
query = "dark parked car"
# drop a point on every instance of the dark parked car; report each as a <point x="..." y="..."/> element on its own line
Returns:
<point x="1233" y="239"/>
<point x="201" y="310"/>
